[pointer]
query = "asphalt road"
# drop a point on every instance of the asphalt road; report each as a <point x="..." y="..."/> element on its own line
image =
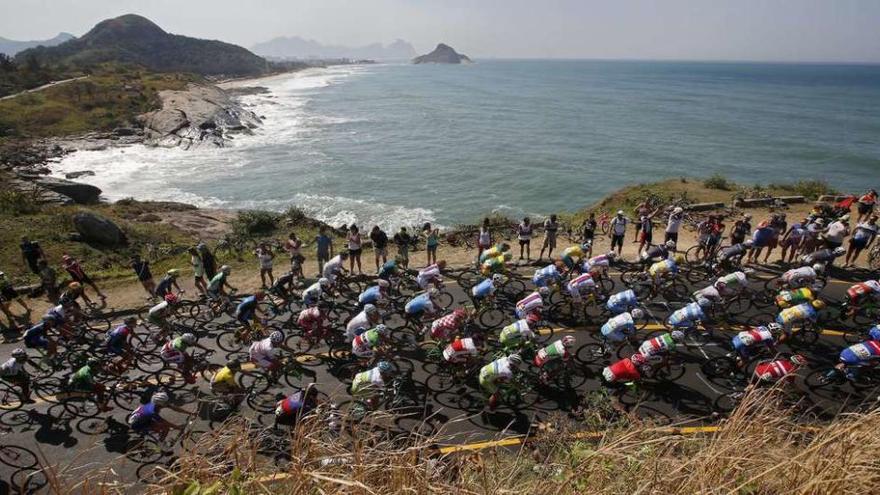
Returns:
<point x="455" y="413"/>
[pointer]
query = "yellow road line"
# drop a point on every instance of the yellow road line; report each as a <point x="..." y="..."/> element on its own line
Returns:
<point x="506" y="442"/>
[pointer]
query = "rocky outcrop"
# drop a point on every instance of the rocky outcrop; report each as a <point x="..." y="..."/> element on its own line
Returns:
<point x="443" y="54"/>
<point x="96" y="229"/>
<point x="84" y="194"/>
<point x="199" y="115"/>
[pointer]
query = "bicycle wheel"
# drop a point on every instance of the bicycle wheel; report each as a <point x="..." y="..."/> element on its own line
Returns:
<point x="256" y="381"/>
<point x="10" y="398"/>
<point x="17" y="457"/>
<point x="543" y="333"/>
<point x="444" y="300"/>
<point x="229" y="341"/>
<point x="592" y="354"/>
<point x="513" y="289"/>
<point x="469" y="278"/>
<point x="605" y="284"/>
<point x="676" y="291"/>
<point x="825" y="378"/>
<point x="738" y="306"/>
<point x="726" y="403"/>
<point x="694" y="254"/>
<point x="566" y="313"/>
<point x="718" y="367"/>
<point x="491" y="318"/>
<point x="263" y="401"/>
<point x="441" y="381"/>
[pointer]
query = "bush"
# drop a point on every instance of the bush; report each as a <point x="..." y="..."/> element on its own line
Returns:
<point x="296" y="215"/>
<point x="255" y="222"/>
<point x="810" y="189"/>
<point x="13" y="202"/>
<point x="717" y="181"/>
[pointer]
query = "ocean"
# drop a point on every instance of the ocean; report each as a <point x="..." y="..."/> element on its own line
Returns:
<point x="400" y="144"/>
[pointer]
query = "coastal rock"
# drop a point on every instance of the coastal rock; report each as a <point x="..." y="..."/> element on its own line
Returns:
<point x="97" y="229"/>
<point x="199" y="115"/>
<point x="80" y="193"/>
<point x="77" y="175"/>
<point x="39" y="194"/>
<point x="443" y="54"/>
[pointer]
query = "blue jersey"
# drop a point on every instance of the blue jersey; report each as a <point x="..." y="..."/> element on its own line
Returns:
<point x="38" y="330"/>
<point x="371" y="295"/>
<point x="144" y="416"/>
<point x="484" y="289"/>
<point x="164" y="286"/>
<point x="418" y="304"/>
<point x="622" y="301"/>
<point x="546" y="276"/>
<point x="247" y="304"/>
<point x="388" y="269"/>
<point x="118" y="335"/>
<point x="687" y="316"/>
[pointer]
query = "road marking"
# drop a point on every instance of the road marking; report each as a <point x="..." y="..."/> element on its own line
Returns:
<point x="706" y="382"/>
<point x="506" y="442"/>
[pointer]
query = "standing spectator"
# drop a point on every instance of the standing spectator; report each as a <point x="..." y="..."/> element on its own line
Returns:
<point x="617" y="231"/>
<point x="75" y="269"/>
<point x="484" y="238"/>
<point x="145" y="276"/>
<point x="402" y="240"/>
<point x="779" y="226"/>
<point x="646" y="229"/>
<point x="208" y="260"/>
<point x="760" y="239"/>
<point x="866" y="205"/>
<point x="380" y="245"/>
<point x="267" y="260"/>
<point x="673" y="225"/>
<point x="293" y="246"/>
<point x="811" y="236"/>
<point x="551" y="228"/>
<point x="792" y="240"/>
<point x="355" y="248"/>
<point x="8" y="294"/>
<point x="588" y="232"/>
<point x="641" y="210"/>
<point x="432" y="240"/>
<point x="49" y="281"/>
<point x="836" y="232"/>
<point x="524" y="235"/>
<point x="740" y="230"/>
<point x="198" y="271"/>
<point x="324" y="246"/>
<point x="31" y="254"/>
<point x="862" y="237"/>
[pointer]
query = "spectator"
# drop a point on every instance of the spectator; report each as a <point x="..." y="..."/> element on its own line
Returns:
<point x="355" y="249"/>
<point x="432" y="240"/>
<point x="862" y="237"/>
<point x="208" y="260"/>
<point x="588" y="229"/>
<point x="779" y="226"/>
<point x="740" y="230"/>
<point x="293" y="246"/>
<point x="324" y="246"/>
<point x="78" y="274"/>
<point x="49" y="281"/>
<point x="267" y="260"/>
<point x="524" y="235"/>
<point x="836" y="232"/>
<point x="484" y="238"/>
<point x="31" y="254"/>
<point x="198" y="271"/>
<point x="646" y="229"/>
<point x="617" y="231"/>
<point x="760" y="239"/>
<point x="551" y="228"/>
<point x="402" y="240"/>
<point x="145" y="276"/>
<point x="380" y="245"/>
<point x="792" y="241"/>
<point x="673" y="225"/>
<point x="8" y="294"/>
<point x="866" y="205"/>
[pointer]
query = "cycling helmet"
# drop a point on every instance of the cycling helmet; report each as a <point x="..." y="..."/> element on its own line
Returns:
<point x="637" y="314"/>
<point x="586" y="246"/>
<point x="819" y="268"/>
<point x="798" y="360"/>
<point x="383" y="330"/>
<point x="670" y="244"/>
<point x="173" y="273"/>
<point x="276" y="337"/>
<point x="679" y="259"/>
<point x="748" y="243"/>
<point x="611" y="255"/>
<point x="93" y="362"/>
<point x="568" y="341"/>
<point x="677" y="336"/>
<point x="18" y="352"/>
<point x="677" y="210"/>
<point x="514" y="359"/>
<point x="544" y="291"/>
<point x="234" y="364"/>
<point x="874" y="333"/>
<point x="620" y="212"/>
<point x="747" y="216"/>
<point x="703" y="302"/>
<point x="188" y="338"/>
<point x="774" y="328"/>
<point x="638" y="359"/>
<point x="75" y="286"/>
<point x="497" y="278"/>
<point x="384" y="367"/>
<point x="839" y="251"/>
<point x="370" y="309"/>
<point x="383" y="284"/>
<point x="171" y="298"/>
<point x="324" y="282"/>
<point x="533" y="318"/>
<point x="159" y="398"/>
<point x="226" y="269"/>
<point x="818" y="304"/>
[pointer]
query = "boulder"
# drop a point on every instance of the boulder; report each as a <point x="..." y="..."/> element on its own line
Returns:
<point x="97" y="229"/>
<point x="77" y="175"/>
<point x="80" y="193"/>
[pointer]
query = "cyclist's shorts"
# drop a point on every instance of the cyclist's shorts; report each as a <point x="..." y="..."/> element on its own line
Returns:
<point x="244" y="316"/>
<point x="37" y="341"/>
<point x="569" y="262"/>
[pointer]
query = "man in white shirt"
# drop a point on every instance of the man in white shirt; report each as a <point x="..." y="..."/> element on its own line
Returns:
<point x="617" y="231"/>
<point x="836" y="232"/>
<point x="673" y="225"/>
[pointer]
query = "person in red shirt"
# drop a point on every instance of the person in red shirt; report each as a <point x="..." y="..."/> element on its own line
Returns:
<point x="866" y="204"/>
<point x="769" y="372"/>
<point x="77" y="273"/>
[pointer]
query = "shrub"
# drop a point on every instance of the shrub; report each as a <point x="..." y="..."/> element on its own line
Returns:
<point x="255" y="222"/>
<point x="296" y="215"/>
<point x="13" y="202"/>
<point x="717" y="181"/>
<point x="810" y="189"/>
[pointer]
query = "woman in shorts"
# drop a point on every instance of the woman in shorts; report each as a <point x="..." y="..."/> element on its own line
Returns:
<point x="355" y="248"/>
<point x="524" y="235"/>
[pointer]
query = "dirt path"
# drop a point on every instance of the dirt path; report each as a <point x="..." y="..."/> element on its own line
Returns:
<point x="45" y="86"/>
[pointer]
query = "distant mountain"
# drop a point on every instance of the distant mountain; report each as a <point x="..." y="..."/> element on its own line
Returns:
<point x="443" y="54"/>
<point x="11" y="47"/>
<point x="296" y="47"/>
<point x="137" y="40"/>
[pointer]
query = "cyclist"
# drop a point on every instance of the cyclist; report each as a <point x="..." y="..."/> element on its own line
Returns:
<point x="622" y="302"/>
<point x="731" y="256"/>
<point x="69" y="297"/>
<point x="533" y="303"/>
<point x="549" y="275"/>
<point x="83" y="380"/>
<point x="430" y="275"/>
<point x="862" y="355"/>
<point x="217" y="286"/>
<point x="497" y="264"/>
<point x="496" y="373"/>
<point x="118" y="343"/>
<point x="79" y="276"/>
<point x="804" y="276"/>
<point x="746" y="341"/>
<point x="461" y="351"/>
<point x="146" y="417"/>
<point x="448" y="327"/>
<point x="37" y="336"/>
<point x="551" y="355"/>
<point x="495" y="251"/>
<point x="657" y="253"/>
<point x="424" y="305"/>
<point x="168" y="282"/>
<point x="519" y="333"/>
<point x="369" y="317"/>
<point x="665" y="269"/>
<point x="59" y="316"/>
<point x="313" y="294"/>
<point x="598" y="265"/>
<point x="863" y="293"/>
<point x="335" y="267"/>
<point x="733" y="284"/>
<point x="823" y="256"/>
<point x="486" y="289"/>
<point x="778" y="370"/>
<point x="368" y="385"/>
<point x="621" y="327"/>
<point x="314" y="321"/>
<point x="158" y="315"/>
<point x="802" y="314"/>
<point x="627" y="370"/>
<point x="581" y="286"/>
<point x="390" y="269"/>
<point x="297" y="405"/>
<point x="574" y="255"/>
<point x="789" y="298"/>
<point x="223" y="382"/>
<point x="174" y="352"/>
<point x="13" y="371"/>
<point x="264" y="353"/>
<point x="366" y="344"/>
<point x="376" y="295"/>
<point x="283" y="286"/>
<point x="248" y="308"/>
<point x="661" y="345"/>
<point x="688" y="317"/>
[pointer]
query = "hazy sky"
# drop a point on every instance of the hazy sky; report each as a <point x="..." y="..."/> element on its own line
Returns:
<point x="791" y="30"/>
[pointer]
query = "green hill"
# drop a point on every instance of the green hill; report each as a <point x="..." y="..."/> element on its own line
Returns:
<point x="132" y="39"/>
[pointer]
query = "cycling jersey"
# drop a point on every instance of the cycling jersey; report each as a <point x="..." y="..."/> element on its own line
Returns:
<point x="744" y="341"/>
<point x="496" y="372"/>
<point x="795" y="315"/>
<point x="224" y="377"/>
<point x="799" y="277"/>
<point x="687" y="317"/>
<point x="599" y="262"/>
<point x="262" y="353"/>
<point x="551" y="352"/>
<point x="428" y="276"/>
<point x="484" y="289"/>
<point x="582" y="284"/>
<point x="570" y="254"/>
<point x="83" y="378"/>
<point x="12" y="368"/>
<point x="388" y="269"/>
<point x="663" y="267"/>
<point x="622" y="301"/>
<point x="282" y="284"/>
<point x="292" y="406"/>
<point x="788" y="298"/>
<point x="710" y="293"/>
<point x="367" y="382"/>
<point x="311" y="319"/>
<point x="621" y="371"/>
<point x="164" y="286"/>
<point x="312" y="294"/>
<point x="246" y="308"/>
<point x="774" y="371"/>
<point x="373" y="295"/>
<point x="447" y="327"/>
<point x="656" y="253"/>
<point x="731" y="252"/>
<point x="619" y="327"/>
<point x="546" y="276"/>
<point x="117" y="339"/>
<point x="861" y="354"/>
<point x="364" y="344"/>
<point x="58" y="314"/>
<point x="217" y="283"/>
<point x="529" y="304"/>
<point x="732" y="283"/>
<point x="157" y="313"/>
<point x="332" y="268"/>
<point x="358" y="324"/>
<point x="492" y="252"/>
<point x="516" y="333"/>
<point x="859" y="293"/>
<point x="659" y="345"/>
<point x="35" y="336"/>
<point x="144" y="417"/>
<point x="460" y="350"/>
<point x="493" y="265"/>
<point x="174" y="350"/>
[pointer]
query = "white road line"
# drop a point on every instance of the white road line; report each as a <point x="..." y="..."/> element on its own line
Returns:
<point x="706" y="382"/>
